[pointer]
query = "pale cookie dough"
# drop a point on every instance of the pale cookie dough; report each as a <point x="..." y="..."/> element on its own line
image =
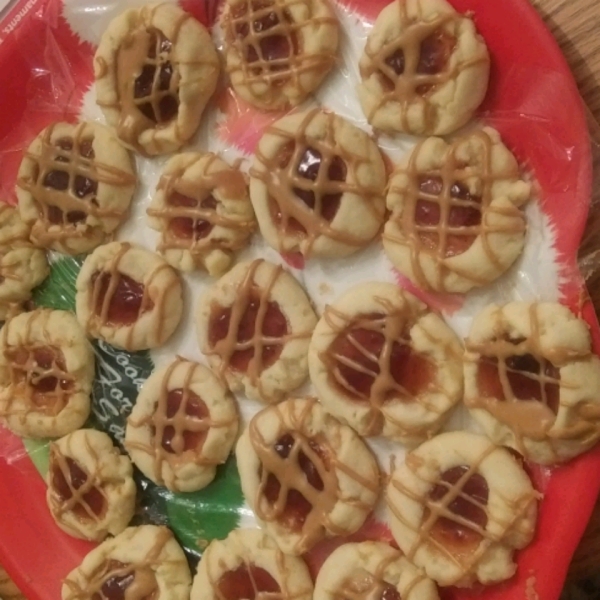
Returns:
<point x="142" y="562"/>
<point x="91" y="492"/>
<point x="456" y="221"/>
<point x="46" y="374"/>
<point x="75" y="186"/>
<point x="249" y="564"/>
<point x="8" y="588"/>
<point x="459" y="506"/>
<point x="278" y="51"/>
<point x="254" y="326"/>
<point x="128" y="297"/>
<point x="317" y="185"/>
<point x="425" y="69"/>
<point x="182" y="426"/>
<point x="22" y="265"/>
<point x="203" y="212"/>
<point x="371" y="570"/>
<point x="384" y="364"/>
<point x="305" y="475"/>
<point x="532" y="381"/>
<point x="156" y="68"/>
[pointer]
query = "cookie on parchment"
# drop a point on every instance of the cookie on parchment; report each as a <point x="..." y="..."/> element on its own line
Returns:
<point x="278" y="51"/>
<point x="254" y="325"/>
<point x="532" y="381"/>
<point x="156" y="67"/>
<point x="305" y="475"/>
<point x="203" y="213"/>
<point x="75" y="185"/>
<point x="46" y="374"/>
<point x="91" y="492"/>
<point x="456" y="212"/>
<point x="182" y="426"/>
<point x="425" y="69"/>
<point x="459" y="506"/>
<point x="128" y="297"/>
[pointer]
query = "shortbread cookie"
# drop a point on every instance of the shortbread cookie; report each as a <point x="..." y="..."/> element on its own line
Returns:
<point x="46" y="374"/>
<point x="140" y="563"/>
<point x="532" y="381"/>
<point x="305" y="475"/>
<point x="128" y="297"/>
<point x="424" y="70"/>
<point x="317" y="185"/>
<point x="459" y="506"/>
<point x="278" y="51"/>
<point x="384" y="364"/>
<point x="456" y="220"/>
<point x="8" y="588"/>
<point x="75" y="186"/>
<point x="182" y="426"/>
<point x="254" y="325"/>
<point x="371" y="570"/>
<point x="156" y="68"/>
<point x="22" y="265"/>
<point x="249" y="564"/>
<point x="91" y="493"/>
<point x="203" y="212"/>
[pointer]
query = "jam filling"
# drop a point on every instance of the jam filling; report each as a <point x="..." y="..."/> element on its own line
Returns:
<point x="195" y="408"/>
<point x="246" y="583"/>
<point x="275" y="47"/>
<point x="469" y="505"/>
<point x="77" y="478"/>
<point x="119" y="579"/>
<point x="428" y="214"/>
<point x="81" y="186"/>
<point x="149" y="83"/>
<point x="363" y="346"/>
<point x="274" y="326"/>
<point x="389" y="592"/>
<point x="190" y="228"/>
<point x="297" y="507"/>
<point x="524" y="377"/>
<point x="127" y="302"/>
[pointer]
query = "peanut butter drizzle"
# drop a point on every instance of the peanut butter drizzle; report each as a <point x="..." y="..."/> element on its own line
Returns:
<point x="274" y="72"/>
<point x="144" y="585"/>
<point x="410" y="86"/>
<point x="229" y="183"/>
<point x="181" y="422"/>
<point x="147" y="304"/>
<point x="52" y="158"/>
<point x="531" y="419"/>
<point x="291" y="476"/>
<point x="281" y="179"/>
<point x="60" y="505"/>
<point x="394" y="324"/>
<point x="452" y="171"/>
<point x="229" y="345"/>
<point x="51" y="403"/>
<point x="466" y="561"/>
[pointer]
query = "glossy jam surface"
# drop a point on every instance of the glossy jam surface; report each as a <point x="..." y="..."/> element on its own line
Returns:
<point x="468" y="505"/>
<point x="389" y="592"/>
<point x="93" y="498"/>
<point x="246" y="582"/>
<point x="125" y="305"/>
<point x="188" y="227"/>
<point x="274" y="326"/>
<point x="120" y="577"/>
<point x="195" y="408"/>
<point x="363" y="347"/>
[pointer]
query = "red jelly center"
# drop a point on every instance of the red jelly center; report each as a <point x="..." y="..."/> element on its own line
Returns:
<point x="469" y="505"/>
<point x="120" y="577"/>
<point x="78" y="477"/>
<point x="127" y="301"/>
<point x="436" y="50"/>
<point x="362" y="348"/>
<point x="246" y="583"/>
<point x="389" y="592"/>
<point x="195" y="409"/>
<point x="530" y="379"/>
<point x="274" y="326"/>
<point x="188" y="227"/>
